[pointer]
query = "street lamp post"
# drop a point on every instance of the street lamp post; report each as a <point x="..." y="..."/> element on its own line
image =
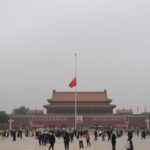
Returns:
<point x="148" y="121"/>
<point x="127" y="122"/>
<point x="30" y="122"/>
<point x="10" y="123"/>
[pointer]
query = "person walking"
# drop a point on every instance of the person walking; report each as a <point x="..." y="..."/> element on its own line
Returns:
<point x="14" y="135"/>
<point x="109" y="135"/>
<point x="129" y="143"/>
<point x="95" y="134"/>
<point x="66" y="140"/>
<point x="51" y="140"/>
<point x="81" y="145"/>
<point x="87" y="136"/>
<point x="40" y="138"/>
<point x="113" y="141"/>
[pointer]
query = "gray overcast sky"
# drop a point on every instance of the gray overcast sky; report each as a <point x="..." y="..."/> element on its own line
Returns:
<point x="38" y="39"/>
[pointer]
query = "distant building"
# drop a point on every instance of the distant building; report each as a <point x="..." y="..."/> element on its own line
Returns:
<point x="35" y="112"/>
<point x="124" y="111"/>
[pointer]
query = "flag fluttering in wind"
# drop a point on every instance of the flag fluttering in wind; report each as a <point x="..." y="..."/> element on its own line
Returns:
<point x="73" y="83"/>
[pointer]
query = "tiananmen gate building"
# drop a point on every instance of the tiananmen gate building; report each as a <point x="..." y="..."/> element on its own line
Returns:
<point x="88" y="103"/>
<point x="93" y="108"/>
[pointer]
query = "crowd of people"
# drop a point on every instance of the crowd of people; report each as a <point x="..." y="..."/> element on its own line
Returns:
<point x="83" y="136"/>
<point x="68" y="136"/>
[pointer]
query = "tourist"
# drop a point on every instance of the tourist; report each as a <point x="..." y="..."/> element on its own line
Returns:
<point x="40" y="138"/>
<point x="66" y="140"/>
<point x="44" y="138"/>
<point x="14" y="135"/>
<point x="103" y="135"/>
<point x="87" y="137"/>
<point x="113" y="141"/>
<point x="26" y="133"/>
<point x="51" y="140"/>
<point x="71" y="135"/>
<point x="130" y="133"/>
<point x="129" y="143"/>
<point x="95" y="135"/>
<point x="109" y="135"/>
<point x="143" y="134"/>
<point x="81" y="141"/>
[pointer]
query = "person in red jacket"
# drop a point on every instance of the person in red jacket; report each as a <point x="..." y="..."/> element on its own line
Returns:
<point x="87" y="137"/>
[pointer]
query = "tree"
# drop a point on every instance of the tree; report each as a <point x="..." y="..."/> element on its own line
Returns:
<point x="20" y="110"/>
<point x="3" y="117"/>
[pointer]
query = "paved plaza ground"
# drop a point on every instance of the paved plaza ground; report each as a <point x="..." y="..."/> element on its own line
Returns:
<point x="31" y="143"/>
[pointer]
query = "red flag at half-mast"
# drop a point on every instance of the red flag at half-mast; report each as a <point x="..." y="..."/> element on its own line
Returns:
<point x="73" y="83"/>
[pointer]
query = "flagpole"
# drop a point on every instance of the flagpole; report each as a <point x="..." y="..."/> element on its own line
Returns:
<point x="75" y="125"/>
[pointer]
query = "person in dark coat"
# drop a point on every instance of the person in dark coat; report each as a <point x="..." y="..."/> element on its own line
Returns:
<point x="14" y="135"/>
<point x="129" y="144"/>
<point x="40" y="138"/>
<point x="51" y="140"/>
<point x="95" y="135"/>
<point x="113" y="141"/>
<point x="66" y="140"/>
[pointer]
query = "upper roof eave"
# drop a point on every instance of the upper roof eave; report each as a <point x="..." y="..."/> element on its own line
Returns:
<point x="81" y="96"/>
<point x="79" y="106"/>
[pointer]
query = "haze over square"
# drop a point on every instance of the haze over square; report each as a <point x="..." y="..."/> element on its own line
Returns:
<point x="39" y="39"/>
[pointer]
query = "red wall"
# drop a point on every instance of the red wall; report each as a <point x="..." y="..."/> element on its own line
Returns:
<point x="87" y="121"/>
